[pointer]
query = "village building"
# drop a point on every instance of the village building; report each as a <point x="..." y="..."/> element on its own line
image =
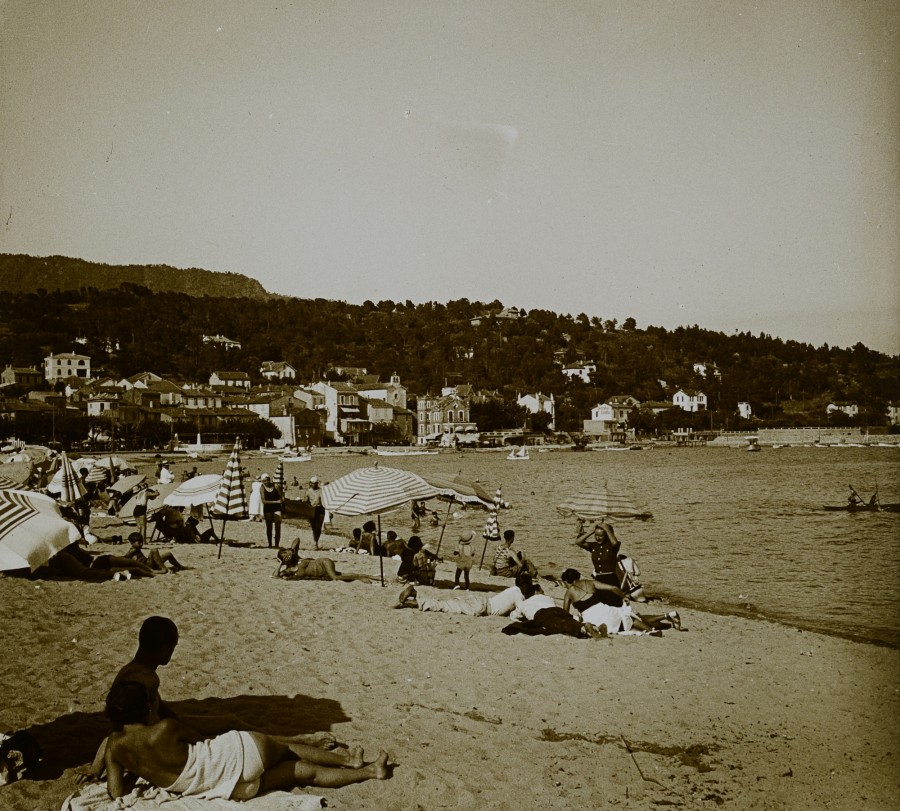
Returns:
<point x="689" y="400"/>
<point x="581" y="370"/>
<point x="20" y="376"/>
<point x="744" y="410"/>
<point x="277" y="370"/>
<point x="65" y="365"/>
<point x="444" y="419"/>
<point x="850" y="409"/>
<point x="540" y="404"/>
<point x="221" y="341"/>
<point x="230" y="380"/>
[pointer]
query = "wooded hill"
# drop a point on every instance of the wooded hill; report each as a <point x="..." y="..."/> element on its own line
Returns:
<point x="130" y="329"/>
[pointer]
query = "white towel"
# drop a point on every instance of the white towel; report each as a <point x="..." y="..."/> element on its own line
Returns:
<point x="144" y="797"/>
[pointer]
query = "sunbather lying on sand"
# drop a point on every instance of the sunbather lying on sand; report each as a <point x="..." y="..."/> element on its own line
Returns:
<point x="235" y="765"/>
<point x="73" y="561"/>
<point x="470" y="603"/>
<point x="293" y="567"/>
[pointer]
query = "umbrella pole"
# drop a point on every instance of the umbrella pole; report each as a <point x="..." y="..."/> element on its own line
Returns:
<point x="380" y="552"/>
<point x="443" y="527"/>
<point x="481" y="562"/>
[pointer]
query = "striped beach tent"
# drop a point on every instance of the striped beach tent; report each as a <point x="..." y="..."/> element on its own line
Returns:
<point x="279" y="476"/>
<point x="231" y="499"/>
<point x="11" y="484"/>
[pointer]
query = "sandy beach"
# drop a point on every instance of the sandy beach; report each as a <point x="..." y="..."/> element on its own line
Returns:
<point x="733" y="713"/>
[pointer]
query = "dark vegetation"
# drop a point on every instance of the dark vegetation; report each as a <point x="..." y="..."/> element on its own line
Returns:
<point x="130" y="329"/>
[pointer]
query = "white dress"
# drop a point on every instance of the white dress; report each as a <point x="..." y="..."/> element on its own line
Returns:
<point x="256" y="508"/>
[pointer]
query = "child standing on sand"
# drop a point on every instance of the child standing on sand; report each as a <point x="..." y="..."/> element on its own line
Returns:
<point x="465" y="558"/>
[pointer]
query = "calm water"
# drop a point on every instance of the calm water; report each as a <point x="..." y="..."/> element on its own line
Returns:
<point x="733" y="532"/>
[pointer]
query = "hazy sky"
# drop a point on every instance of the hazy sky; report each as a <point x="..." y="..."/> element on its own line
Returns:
<point x="729" y="164"/>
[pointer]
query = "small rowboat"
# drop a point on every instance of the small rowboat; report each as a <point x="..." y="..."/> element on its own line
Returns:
<point x="863" y="508"/>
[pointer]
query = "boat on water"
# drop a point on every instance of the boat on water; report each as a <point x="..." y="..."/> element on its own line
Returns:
<point x="518" y="454"/>
<point x="753" y="444"/>
<point x="863" y="508"/>
<point x="296" y="457"/>
<point x="380" y="452"/>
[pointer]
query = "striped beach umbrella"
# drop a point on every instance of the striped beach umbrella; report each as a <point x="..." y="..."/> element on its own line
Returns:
<point x="11" y="484"/>
<point x="231" y="500"/>
<point x="279" y="476"/>
<point x="97" y="474"/>
<point x="32" y="530"/>
<point x="601" y="502"/>
<point x="71" y="487"/>
<point x="374" y="490"/>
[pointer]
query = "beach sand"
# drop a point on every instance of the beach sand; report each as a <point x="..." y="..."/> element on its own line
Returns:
<point x="734" y="713"/>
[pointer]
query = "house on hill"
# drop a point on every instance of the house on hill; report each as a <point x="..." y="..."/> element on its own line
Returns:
<point x="581" y="369"/>
<point x="66" y="364"/>
<point x="440" y="418"/>
<point x="539" y="403"/>
<point x="848" y="408"/>
<point x="20" y="376"/>
<point x="277" y="370"/>
<point x="230" y="380"/>
<point x="689" y="400"/>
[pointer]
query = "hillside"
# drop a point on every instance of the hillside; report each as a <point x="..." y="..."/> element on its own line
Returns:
<point x="20" y="273"/>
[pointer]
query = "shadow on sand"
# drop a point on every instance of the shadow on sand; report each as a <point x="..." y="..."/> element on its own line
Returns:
<point x="72" y="739"/>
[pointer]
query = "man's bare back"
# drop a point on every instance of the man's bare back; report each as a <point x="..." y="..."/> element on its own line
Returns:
<point x="158" y="753"/>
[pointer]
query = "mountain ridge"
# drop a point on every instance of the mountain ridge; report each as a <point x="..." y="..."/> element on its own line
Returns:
<point x="22" y="273"/>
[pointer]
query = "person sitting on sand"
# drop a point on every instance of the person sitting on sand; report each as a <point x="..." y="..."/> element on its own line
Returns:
<point x="170" y="524"/>
<point x="425" y="565"/>
<point x="366" y="538"/>
<point x="393" y="545"/>
<point x="236" y="765"/>
<point x="156" y="559"/>
<point x="509" y="562"/>
<point x="407" y="558"/>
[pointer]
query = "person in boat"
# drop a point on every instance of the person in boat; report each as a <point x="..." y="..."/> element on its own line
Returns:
<point x="854" y="499"/>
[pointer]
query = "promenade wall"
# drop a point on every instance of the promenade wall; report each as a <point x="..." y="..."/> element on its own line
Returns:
<point x="806" y="436"/>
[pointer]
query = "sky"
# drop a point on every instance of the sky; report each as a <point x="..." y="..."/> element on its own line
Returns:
<point x="734" y="165"/>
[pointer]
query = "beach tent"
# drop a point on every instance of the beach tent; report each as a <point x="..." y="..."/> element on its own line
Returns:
<point x="32" y="530"/>
<point x="372" y="491"/>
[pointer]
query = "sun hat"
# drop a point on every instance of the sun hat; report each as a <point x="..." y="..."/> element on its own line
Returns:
<point x="313" y="479"/>
<point x="264" y="477"/>
<point x="466" y="537"/>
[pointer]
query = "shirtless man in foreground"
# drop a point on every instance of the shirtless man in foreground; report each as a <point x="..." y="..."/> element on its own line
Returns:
<point x="157" y="641"/>
<point x="235" y="765"/>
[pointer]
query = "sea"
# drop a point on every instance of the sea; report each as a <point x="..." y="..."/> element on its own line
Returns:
<point x="732" y="532"/>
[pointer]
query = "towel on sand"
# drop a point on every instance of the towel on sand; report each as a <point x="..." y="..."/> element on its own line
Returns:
<point x="145" y="797"/>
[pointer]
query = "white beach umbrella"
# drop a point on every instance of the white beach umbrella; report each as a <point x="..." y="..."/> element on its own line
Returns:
<point x="198" y="490"/>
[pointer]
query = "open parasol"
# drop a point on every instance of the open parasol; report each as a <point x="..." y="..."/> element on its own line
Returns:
<point x="458" y="490"/>
<point x="600" y="502"/>
<point x="32" y="530"/>
<point x="372" y="491"/>
<point x="198" y="490"/>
